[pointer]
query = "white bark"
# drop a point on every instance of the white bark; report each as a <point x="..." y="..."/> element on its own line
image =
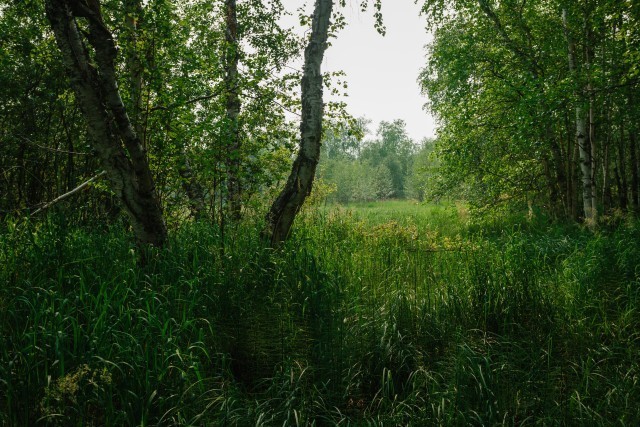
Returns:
<point x="283" y="211"/>
<point x="584" y="148"/>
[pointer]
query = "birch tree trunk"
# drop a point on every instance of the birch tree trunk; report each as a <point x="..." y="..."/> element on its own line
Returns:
<point x="581" y="134"/>
<point x="283" y="211"/>
<point x="114" y="138"/>
<point x="592" y="146"/>
<point x="233" y="106"/>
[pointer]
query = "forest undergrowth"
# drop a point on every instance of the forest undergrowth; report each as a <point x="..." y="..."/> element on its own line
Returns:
<point x="364" y="317"/>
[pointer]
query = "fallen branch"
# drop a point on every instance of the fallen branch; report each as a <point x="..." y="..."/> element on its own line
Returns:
<point x="70" y="193"/>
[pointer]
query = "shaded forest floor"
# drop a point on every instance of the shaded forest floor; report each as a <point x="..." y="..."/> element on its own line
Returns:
<point x="396" y="314"/>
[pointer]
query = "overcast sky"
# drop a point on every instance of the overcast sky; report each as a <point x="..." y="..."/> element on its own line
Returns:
<point x="381" y="71"/>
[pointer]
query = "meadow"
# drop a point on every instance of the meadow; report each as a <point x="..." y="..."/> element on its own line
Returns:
<point x="381" y="314"/>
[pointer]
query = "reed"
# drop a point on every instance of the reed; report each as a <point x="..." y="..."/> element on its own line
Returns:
<point x="396" y="314"/>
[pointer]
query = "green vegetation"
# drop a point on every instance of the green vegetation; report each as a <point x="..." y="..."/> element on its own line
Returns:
<point x="537" y="102"/>
<point x="389" y="166"/>
<point x="365" y="317"/>
<point x="144" y="280"/>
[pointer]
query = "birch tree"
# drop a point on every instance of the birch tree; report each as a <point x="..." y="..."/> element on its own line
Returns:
<point x="532" y="113"/>
<point x="588" y="201"/>
<point x="115" y="141"/>
<point x="232" y="107"/>
<point x="300" y="182"/>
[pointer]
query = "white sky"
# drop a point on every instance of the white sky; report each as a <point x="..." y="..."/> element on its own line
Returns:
<point x="381" y="71"/>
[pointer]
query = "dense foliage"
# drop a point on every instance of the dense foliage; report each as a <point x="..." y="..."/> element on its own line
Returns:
<point x="393" y="313"/>
<point x="537" y="101"/>
<point x="173" y="85"/>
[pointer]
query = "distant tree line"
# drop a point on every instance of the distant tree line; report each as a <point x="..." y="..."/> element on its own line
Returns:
<point x="389" y="166"/>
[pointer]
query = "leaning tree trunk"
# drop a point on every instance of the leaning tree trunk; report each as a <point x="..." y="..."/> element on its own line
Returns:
<point x="96" y="90"/>
<point x="298" y="186"/>
<point x="581" y="135"/>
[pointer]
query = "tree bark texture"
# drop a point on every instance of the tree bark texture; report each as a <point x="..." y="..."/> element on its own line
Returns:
<point x="114" y="138"/>
<point x="581" y="134"/>
<point x="134" y="66"/>
<point x="233" y="106"/>
<point x="300" y="182"/>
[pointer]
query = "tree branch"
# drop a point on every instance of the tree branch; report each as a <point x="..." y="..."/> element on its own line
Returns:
<point x="54" y="150"/>
<point x="189" y="101"/>
<point x="70" y="193"/>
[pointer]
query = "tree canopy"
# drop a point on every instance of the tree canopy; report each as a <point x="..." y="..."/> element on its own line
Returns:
<point x="533" y="107"/>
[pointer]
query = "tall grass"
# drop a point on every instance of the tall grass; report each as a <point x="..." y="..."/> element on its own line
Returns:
<point x="374" y="315"/>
